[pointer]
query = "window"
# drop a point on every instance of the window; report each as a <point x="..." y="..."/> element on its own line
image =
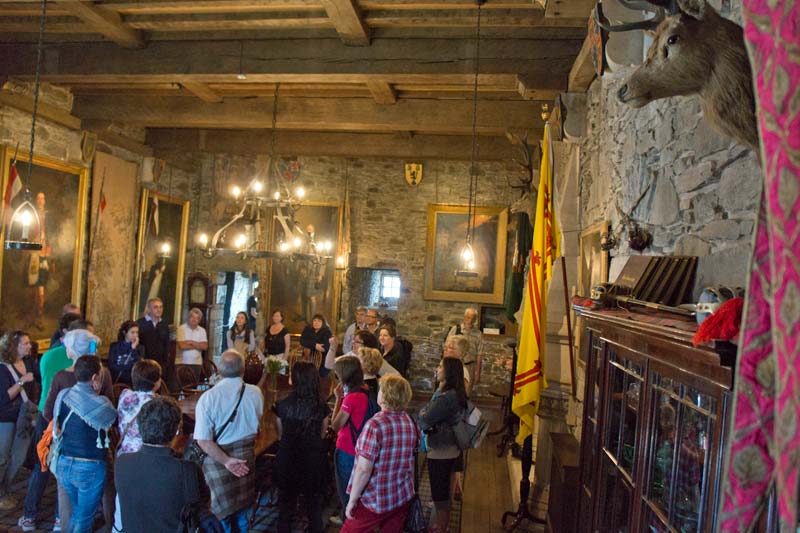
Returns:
<point x="390" y="286"/>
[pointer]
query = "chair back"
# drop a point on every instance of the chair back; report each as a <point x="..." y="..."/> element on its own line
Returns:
<point x="186" y="378"/>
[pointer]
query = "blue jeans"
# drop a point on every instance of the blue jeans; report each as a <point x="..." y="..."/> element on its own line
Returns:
<point x="344" y="467"/>
<point x="236" y="522"/>
<point x="83" y="481"/>
<point x="38" y="480"/>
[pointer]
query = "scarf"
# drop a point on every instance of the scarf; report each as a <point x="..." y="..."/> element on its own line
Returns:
<point x="95" y="410"/>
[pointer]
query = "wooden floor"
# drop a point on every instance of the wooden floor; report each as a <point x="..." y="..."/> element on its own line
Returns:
<point x="487" y="490"/>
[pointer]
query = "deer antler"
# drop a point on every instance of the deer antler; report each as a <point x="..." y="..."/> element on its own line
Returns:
<point x="526" y="152"/>
<point x="649" y="24"/>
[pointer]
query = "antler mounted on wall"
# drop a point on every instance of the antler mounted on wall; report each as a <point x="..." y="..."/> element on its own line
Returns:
<point x="526" y="155"/>
<point x="638" y="237"/>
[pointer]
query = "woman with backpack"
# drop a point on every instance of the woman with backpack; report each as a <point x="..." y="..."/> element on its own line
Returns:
<point x="349" y="416"/>
<point x="436" y="420"/>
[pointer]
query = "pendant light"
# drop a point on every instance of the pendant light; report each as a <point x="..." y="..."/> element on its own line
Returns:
<point x="24" y="230"/>
<point x="467" y="252"/>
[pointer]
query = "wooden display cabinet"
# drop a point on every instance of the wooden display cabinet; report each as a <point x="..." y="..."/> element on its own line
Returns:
<point x="654" y="421"/>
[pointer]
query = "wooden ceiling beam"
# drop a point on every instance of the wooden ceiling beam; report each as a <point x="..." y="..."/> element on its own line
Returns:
<point x="448" y="117"/>
<point x="244" y="142"/>
<point x="404" y="61"/>
<point x="104" y="22"/>
<point x="382" y="92"/>
<point x="346" y="18"/>
<point x="583" y="71"/>
<point x="202" y="91"/>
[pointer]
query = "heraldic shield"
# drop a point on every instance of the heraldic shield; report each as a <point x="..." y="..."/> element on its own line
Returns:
<point x="413" y="173"/>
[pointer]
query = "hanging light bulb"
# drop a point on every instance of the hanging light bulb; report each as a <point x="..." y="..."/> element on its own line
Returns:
<point x="467" y="254"/>
<point x="341" y="261"/>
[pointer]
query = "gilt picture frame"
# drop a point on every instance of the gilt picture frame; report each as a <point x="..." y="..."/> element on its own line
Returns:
<point x="446" y="236"/>
<point x="300" y="289"/>
<point x="35" y="285"/>
<point x="162" y="218"/>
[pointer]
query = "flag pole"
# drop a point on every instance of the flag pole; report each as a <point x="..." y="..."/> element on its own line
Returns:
<point x="569" y="328"/>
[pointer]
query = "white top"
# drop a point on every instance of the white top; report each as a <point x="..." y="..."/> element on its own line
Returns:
<point x="216" y="405"/>
<point x="190" y="357"/>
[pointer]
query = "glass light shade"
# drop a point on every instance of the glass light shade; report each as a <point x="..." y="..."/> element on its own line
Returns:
<point x="467" y="254"/>
<point x="24" y="228"/>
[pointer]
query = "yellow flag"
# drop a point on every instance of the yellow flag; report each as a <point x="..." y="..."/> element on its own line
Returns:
<point x="529" y="378"/>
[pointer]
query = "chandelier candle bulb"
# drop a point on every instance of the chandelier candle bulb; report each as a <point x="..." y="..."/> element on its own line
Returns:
<point x="165" y="248"/>
<point x="236" y="191"/>
<point x="340" y="261"/>
<point x="300" y="192"/>
<point x="257" y="186"/>
<point x="203" y="240"/>
<point x="297" y="242"/>
<point x="25" y="219"/>
<point x="277" y="195"/>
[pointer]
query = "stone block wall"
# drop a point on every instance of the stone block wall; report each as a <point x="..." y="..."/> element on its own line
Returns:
<point x="388" y="224"/>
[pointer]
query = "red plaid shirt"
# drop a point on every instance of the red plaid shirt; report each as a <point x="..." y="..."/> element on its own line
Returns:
<point x="388" y="441"/>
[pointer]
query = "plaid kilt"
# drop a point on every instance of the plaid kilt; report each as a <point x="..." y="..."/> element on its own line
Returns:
<point x="228" y="492"/>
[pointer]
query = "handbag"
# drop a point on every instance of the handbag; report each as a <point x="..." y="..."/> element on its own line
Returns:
<point x="415" y="519"/>
<point x="193" y="452"/>
<point x="197" y="518"/>
<point x="26" y="419"/>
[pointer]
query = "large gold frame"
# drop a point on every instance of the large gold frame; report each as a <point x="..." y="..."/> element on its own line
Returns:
<point x="181" y="251"/>
<point x="496" y="297"/>
<point x="333" y="320"/>
<point x="82" y="174"/>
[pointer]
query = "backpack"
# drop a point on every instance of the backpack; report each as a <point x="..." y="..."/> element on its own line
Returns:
<point x="372" y="408"/>
<point x="471" y="428"/>
<point x="408" y="347"/>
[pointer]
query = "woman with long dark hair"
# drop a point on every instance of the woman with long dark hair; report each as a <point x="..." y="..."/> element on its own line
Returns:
<point x="240" y="337"/>
<point x="277" y="340"/>
<point x="436" y="420"/>
<point x="124" y="353"/>
<point x="302" y="454"/>
<point x="17" y="410"/>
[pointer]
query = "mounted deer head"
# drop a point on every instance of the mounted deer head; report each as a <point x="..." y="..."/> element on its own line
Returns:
<point x="694" y="50"/>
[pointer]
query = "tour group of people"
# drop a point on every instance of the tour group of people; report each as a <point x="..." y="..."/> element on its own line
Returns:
<point x="113" y="456"/>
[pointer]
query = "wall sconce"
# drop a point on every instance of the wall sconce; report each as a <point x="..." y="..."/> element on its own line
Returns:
<point x="341" y="262"/>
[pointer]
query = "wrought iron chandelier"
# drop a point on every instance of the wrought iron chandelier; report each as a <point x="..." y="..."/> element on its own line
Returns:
<point x="256" y="202"/>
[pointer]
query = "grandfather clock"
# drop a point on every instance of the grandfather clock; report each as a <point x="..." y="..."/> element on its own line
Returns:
<point x="200" y="295"/>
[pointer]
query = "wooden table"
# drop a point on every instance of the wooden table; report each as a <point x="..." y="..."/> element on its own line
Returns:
<point x="267" y="429"/>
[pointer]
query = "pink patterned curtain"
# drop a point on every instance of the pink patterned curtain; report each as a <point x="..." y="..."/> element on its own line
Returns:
<point x="764" y="450"/>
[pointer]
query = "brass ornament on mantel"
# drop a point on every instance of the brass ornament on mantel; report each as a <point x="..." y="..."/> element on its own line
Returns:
<point x="413" y="173"/>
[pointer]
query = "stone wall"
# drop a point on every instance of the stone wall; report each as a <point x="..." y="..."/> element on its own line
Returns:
<point x="388" y="225"/>
<point x="702" y="188"/>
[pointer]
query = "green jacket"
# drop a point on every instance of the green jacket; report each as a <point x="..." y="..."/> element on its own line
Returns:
<point x="52" y="361"/>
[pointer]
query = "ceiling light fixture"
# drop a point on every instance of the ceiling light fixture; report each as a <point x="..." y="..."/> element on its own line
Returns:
<point x="467" y="252"/>
<point x="257" y="204"/>
<point x="24" y="230"/>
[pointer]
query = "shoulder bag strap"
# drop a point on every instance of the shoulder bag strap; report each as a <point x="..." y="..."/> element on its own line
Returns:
<point x="233" y="414"/>
<point x="16" y="377"/>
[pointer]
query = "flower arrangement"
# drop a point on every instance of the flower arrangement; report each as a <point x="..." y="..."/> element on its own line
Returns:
<point x="275" y="365"/>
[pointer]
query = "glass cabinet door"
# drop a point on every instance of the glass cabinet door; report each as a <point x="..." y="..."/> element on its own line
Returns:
<point x="677" y="481"/>
<point x="624" y="384"/>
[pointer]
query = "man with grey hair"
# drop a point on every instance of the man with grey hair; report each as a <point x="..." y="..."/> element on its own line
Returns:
<point x="359" y="324"/>
<point x="192" y="342"/>
<point x="226" y="423"/>
<point x="469" y="330"/>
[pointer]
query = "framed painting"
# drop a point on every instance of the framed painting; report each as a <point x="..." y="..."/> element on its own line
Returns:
<point x="447" y="226"/>
<point x="301" y="289"/>
<point x="35" y="285"/>
<point x="161" y="254"/>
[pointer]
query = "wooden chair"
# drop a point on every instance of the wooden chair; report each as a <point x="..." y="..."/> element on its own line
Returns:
<point x="209" y="368"/>
<point x="186" y="378"/>
<point x="117" y="389"/>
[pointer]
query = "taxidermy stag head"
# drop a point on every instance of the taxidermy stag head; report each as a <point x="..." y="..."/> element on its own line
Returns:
<point x="694" y="51"/>
<point x="526" y="156"/>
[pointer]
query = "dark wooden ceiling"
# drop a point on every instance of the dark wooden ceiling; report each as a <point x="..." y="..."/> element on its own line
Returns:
<point x="367" y="68"/>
